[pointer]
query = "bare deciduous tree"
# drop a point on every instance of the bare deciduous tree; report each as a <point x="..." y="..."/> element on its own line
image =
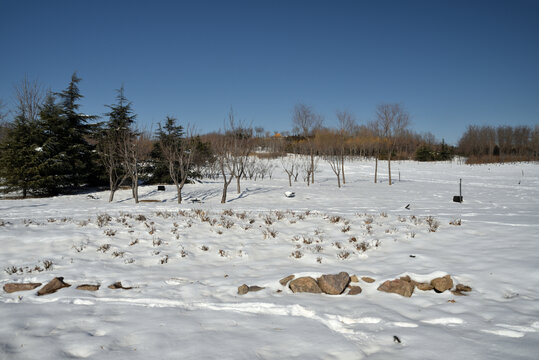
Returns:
<point x="305" y="123"/>
<point x="110" y="152"/>
<point x="29" y="96"/>
<point x="136" y="149"/>
<point x="290" y="166"/>
<point x="111" y="144"/>
<point x="178" y="150"/>
<point x="347" y="124"/>
<point x="392" y="120"/>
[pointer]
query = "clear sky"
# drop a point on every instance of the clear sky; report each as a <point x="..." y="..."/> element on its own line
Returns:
<point x="451" y="63"/>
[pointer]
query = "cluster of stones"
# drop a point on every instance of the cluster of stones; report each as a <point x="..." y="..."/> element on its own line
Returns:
<point x="331" y="284"/>
<point x="405" y="286"/>
<point x="56" y="284"/>
<point x="337" y="284"/>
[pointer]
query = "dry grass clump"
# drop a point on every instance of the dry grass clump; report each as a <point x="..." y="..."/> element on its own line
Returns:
<point x="104" y="248"/>
<point x="269" y="232"/>
<point x="432" y="223"/>
<point x="334" y="219"/>
<point x="103" y="219"/>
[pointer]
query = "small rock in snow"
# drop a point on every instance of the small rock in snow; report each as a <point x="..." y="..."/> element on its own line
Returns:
<point x="334" y="284"/>
<point x="423" y="286"/>
<point x="442" y="284"/>
<point x="243" y="289"/>
<point x="118" y="285"/>
<point x="285" y="280"/>
<point x="255" y="288"/>
<point x="462" y="287"/>
<point x="354" y="290"/>
<point x="305" y="284"/>
<point x="13" y="287"/>
<point x="88" y="287"/>
<point x="54" y="285"/>
<point x="367" y="279"/>
<point x="397" y="286"/>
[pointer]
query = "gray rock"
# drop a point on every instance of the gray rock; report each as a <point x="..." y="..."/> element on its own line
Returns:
<point x="334" y="284"/>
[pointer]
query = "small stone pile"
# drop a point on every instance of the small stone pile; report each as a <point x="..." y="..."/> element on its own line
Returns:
<point x="337" y="284"/>
<point x="56" y="284"/>
<point x="331" y="284"/>
<point x="405" y="286"/>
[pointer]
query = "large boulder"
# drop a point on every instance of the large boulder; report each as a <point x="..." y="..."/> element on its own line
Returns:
<point x="54" y="285"/>
<point x="13" y="287"/>
<point x="442" y="284"/>
<point x="398" y="286"/>
<point x="334" y="284"/>
<point x="305" y="284"/>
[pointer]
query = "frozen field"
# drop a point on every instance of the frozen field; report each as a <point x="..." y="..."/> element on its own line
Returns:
<point x="185" y="263"/>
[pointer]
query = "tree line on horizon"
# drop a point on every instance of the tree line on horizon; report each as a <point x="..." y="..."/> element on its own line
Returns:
<point x="49" y="147"/>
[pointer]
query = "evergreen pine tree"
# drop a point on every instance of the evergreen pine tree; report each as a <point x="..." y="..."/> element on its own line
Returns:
<point x="20" y="156"/>
<point x="67" y="153"/>
<point x="51" y="169"/>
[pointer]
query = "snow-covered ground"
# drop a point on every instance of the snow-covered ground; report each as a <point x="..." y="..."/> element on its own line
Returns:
<point x="185" y="263"/>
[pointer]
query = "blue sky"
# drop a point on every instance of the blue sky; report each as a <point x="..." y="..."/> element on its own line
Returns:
<point x="451" y="63"/>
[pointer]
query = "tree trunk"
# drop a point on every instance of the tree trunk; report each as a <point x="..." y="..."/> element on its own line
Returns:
<point x="389" y="166"/>
<point x="290" y="180"/>
<point x="112" y="187"/>
<point x="225" y="186"/>
<point x="179" y="191"/>
<point x="376" y="170"/>
<point x="238" y="188"/>
<point x="24" y="192"/>
<point x="312" y="167"/>
<point x="111" y="196"/>
<point x="342" y="166"/>
<point x="339" y="181"/>
<point x="135" y="191"/>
